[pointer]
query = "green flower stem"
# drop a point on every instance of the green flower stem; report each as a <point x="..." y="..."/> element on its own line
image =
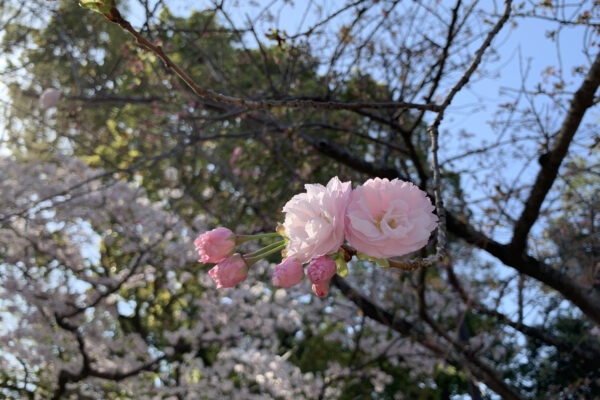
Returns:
<point x="266" y="249"/>
<point x="239" y="239"/>
<point x="264" y="252"/>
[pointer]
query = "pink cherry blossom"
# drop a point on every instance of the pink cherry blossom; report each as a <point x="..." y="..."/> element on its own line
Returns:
<point x="289" y="273"/>
<point x="320" y="270"/>
<point x="234" y="156"/>
<point x="321" y="290"/>
<point x="49" y="98"/>
<point x="213" y="246"/>
<point x="314" y="221"/>
<point x="389" y="218"/>
<point x="229" y="272"/>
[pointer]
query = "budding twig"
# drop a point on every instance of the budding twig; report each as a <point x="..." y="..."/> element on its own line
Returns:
<point x="250" y="104"/>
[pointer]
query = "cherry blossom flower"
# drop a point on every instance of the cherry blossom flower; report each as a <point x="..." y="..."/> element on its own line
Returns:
<point x="314" y="221"/>
<point x="213" y="246"/>
<point x="287" y="274"/>
<point x="229" y="272"/>
<point x="320" y="270"/>
<point x="389" y="218"/>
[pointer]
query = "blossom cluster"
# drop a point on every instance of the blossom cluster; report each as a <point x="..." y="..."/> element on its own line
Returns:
<point x="379" y="219"/>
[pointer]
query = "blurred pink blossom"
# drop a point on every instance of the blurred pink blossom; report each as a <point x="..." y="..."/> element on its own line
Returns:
<point x="314" y="221"/>
<point x="229" y="272"/>
<point x="321" y="270"/>
<point x="234" y="155"/>
<point x="287" y="274"/>
<point x="49" y="98"/>
<point x="389" y="218"/>
<point x="213" y="246"/>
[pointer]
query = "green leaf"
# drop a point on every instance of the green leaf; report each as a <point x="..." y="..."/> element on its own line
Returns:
<point x="99" y="6"/>
<point x="382" y="262"/>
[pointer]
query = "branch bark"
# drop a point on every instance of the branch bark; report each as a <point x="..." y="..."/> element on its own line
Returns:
<point x="582" y="100"/>
<point x="586" y="352"/>
<point x="523" y="263"/>
<point x="250" y="104"/>
<point x="470" y="364"/>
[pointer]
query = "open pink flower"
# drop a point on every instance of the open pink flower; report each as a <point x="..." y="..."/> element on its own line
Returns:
<point x="389" y="218"/>
<point x="213" y="246"/>
<point x="321" y="270"/>
<point x="229" y="272"/>
<point x="287" y="274"/>
<point x="314" y="221"/>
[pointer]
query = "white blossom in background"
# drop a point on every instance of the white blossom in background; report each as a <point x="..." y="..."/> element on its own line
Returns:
<point x="58" y="224"/>
<point x="46" y="201"/>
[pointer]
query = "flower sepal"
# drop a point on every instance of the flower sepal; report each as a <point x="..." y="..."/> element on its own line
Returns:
<point x="341" y="267"/>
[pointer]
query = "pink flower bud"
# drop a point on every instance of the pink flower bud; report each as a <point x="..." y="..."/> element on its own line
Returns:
<point x="229" y="272"/>
<point x="287" y="274"/>
<point x="49" y="98"/>
<point x="321" y="289"/>
<point x="320" y="270"/>
<point x="213" y="246"/>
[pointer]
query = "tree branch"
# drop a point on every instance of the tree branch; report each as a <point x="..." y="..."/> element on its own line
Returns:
<point x="402" y="326"/>
<point x="582" y="100"/>
<point x="589" y="353"/>
<point x="522" y="263"/>
<point x="250" y="104"/>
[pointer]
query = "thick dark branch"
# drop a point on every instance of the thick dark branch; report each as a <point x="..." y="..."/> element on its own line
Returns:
<point x="400" y="325"/>
<point x="87" y="369"/>
<point x="377" y="313"/>
<point x="406" y="137"/>
<point x="529" y="266"/>
<point x="113" y="98"/>
<point x="586" y="352"/>
<point x="582" y="100"/>
<point x="355" y="132"/>
<point x="522" y="263"/>
<point x="345" y="157"/>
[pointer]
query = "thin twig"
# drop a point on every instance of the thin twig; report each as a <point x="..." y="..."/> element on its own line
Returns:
<point x="250" y="104"/>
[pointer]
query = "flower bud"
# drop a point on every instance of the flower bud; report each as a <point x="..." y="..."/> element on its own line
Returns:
<point x="213" y="246"/>
<point x="287" y="274"/>
<point x="321" y="270"/>
<point x="229" y="272"/>
<point x="49" y="98"/>
<point x="321" y="289"/>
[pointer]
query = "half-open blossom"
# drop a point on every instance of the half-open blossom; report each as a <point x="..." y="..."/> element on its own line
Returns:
<point x="322" y="289"/>
<point x="389" y="218"/>
<point x="289" y="273"/>
<point x="314" y="221"/>
<point x="49" y="98"/>
<point x="213" y="246"/>
<point x="321" y="270"/>
<point x="229" y="272"/>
